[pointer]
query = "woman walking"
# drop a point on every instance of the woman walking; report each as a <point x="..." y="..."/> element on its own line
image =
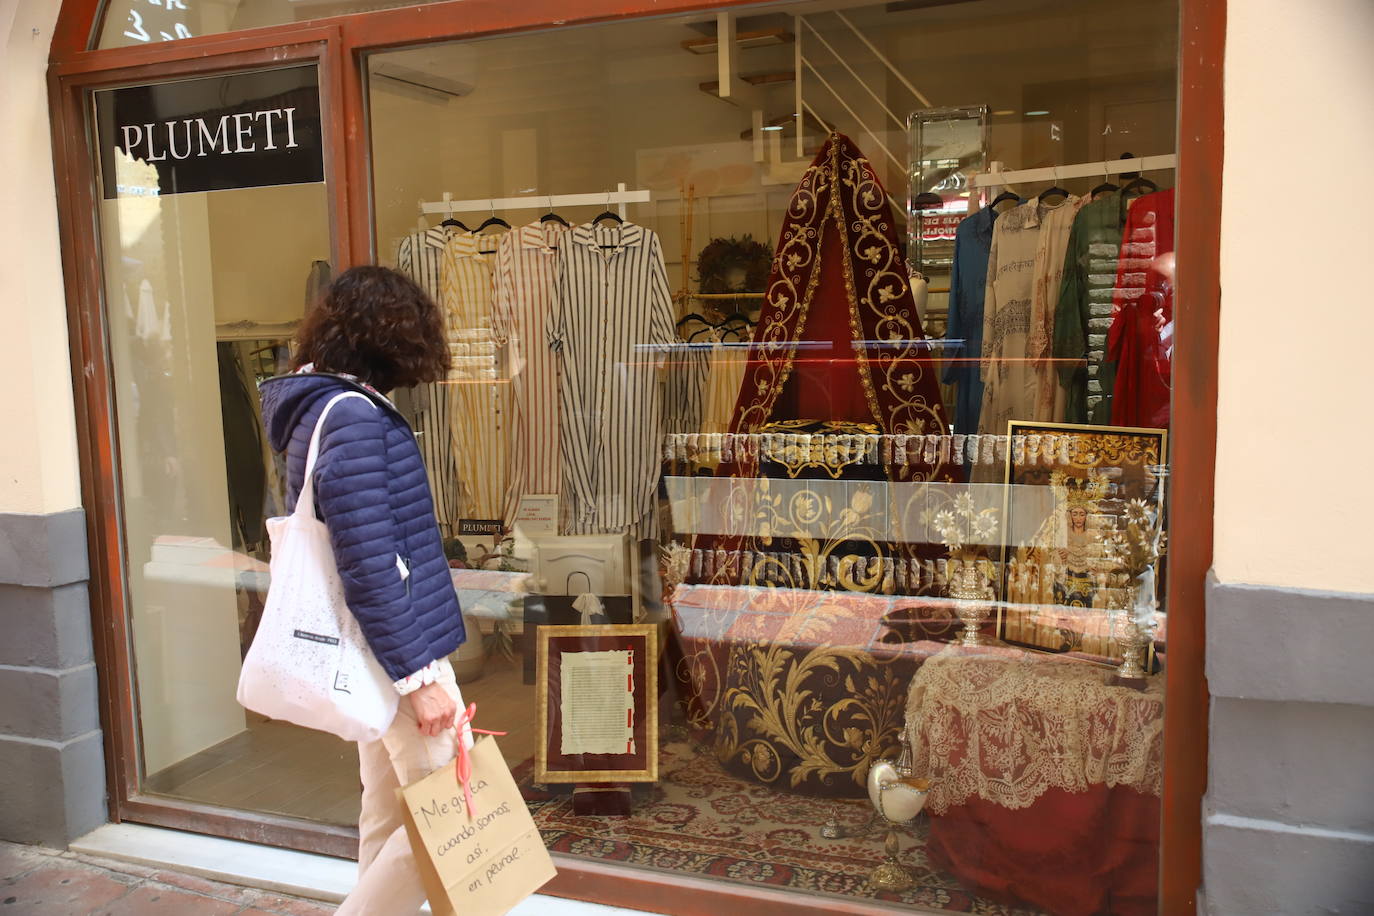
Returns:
<point x="375" y="331"/>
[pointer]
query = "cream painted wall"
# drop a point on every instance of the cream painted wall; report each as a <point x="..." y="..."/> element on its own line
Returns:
<point x="1295" y="428"/>
<point x="38" y="468"/>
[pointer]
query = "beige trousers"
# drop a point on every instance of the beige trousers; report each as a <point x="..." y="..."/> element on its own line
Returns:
<point x="388" y="880"/>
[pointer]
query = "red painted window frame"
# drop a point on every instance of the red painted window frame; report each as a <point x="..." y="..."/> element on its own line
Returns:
<point x="345" y="40"/>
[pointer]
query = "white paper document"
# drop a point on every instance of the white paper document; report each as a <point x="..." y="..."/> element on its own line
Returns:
<point x="597" y="702"/>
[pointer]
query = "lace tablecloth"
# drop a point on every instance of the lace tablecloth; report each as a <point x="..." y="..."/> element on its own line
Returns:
<point x="1006" y="726"/>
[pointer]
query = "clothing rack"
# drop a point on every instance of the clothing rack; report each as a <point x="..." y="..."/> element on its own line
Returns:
<point x="620" y="196"/>
<point x="1079" y="170"/>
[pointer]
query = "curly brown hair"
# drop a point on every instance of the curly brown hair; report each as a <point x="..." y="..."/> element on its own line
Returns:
<point x="378" y="325"/>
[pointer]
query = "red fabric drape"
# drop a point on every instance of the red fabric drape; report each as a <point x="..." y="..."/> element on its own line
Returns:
<point x="1070" y="854"/>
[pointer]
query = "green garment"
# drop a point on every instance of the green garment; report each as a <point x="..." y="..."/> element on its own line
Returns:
<point x="1083" y="314"/>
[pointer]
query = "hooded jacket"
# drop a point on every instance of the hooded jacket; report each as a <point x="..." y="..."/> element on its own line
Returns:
<point x="373" y="495"/>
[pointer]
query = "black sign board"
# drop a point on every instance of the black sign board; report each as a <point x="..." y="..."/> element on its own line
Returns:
<point x="246" y="130"/>
<point x="481" y="526"/>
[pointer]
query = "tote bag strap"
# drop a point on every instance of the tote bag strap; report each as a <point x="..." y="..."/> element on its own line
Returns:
<point x="305" y="503"/>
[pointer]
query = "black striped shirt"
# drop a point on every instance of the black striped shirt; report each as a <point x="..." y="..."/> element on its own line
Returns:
<point x="611" y="323"/>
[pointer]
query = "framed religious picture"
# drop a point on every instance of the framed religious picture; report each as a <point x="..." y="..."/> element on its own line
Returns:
<point x="596" y="689"/>
<point x="1071" y="497"/>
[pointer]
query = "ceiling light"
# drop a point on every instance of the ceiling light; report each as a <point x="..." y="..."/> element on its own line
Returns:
<point x="1004" y="111"/>
<point x="772" y="127"/>
<point x="1033" y="114"/>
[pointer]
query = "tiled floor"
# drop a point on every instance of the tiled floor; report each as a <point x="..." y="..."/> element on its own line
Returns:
<point x="284" y="769"/>
<point x="51" y="883"/>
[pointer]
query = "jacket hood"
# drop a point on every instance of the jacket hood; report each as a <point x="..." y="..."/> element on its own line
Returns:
<point x="287" y="399"/>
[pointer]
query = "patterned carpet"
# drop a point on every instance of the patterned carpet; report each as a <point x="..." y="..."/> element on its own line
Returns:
<point x="700" y="820"/>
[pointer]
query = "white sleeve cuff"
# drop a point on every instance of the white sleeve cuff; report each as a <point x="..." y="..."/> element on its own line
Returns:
<point x="426" y="675"/>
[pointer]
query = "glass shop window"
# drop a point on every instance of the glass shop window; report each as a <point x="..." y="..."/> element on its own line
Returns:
<point x="847" y="381"/>
<point x="210" y="262"/>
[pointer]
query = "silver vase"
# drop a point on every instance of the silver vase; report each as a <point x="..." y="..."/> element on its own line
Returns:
<point x="968" y="587"/>
<point x="1133" y="642"/>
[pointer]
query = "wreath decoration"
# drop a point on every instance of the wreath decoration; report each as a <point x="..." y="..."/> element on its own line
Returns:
<point x="734" y="265"/>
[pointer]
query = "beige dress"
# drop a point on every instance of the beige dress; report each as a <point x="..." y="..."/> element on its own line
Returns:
<point x="476" y="392"/>
<point x="1009" y="379"/>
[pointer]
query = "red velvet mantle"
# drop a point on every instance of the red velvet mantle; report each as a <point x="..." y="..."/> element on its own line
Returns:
<point x="839" y="337"/>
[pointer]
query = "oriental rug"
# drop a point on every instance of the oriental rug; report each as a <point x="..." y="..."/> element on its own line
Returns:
<point x="701" y="820"/>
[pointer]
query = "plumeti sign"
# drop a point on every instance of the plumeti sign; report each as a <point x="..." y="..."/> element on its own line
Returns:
<point x="244" y="130"/>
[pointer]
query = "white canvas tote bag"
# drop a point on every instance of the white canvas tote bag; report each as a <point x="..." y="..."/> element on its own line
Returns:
<point x="310" y="663"/>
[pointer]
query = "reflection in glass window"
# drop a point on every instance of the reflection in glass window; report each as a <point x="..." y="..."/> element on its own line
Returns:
<point x="856" y="383"/>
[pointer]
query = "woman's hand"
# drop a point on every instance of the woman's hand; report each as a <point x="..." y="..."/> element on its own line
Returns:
<point x="434" y="709"/>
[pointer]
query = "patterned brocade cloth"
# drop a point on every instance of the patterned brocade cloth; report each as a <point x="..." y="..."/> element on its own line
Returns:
<point x="1007" y="726"/>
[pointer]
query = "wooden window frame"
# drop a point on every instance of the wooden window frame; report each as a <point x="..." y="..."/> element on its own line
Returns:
<point x="340" y="45"/>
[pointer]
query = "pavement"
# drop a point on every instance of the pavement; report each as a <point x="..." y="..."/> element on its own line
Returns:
<point x="55" y="883"/>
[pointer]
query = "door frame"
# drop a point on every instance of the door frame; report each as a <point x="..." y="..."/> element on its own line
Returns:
<point x="76" y="157"/>
<point x="346" y="41"/>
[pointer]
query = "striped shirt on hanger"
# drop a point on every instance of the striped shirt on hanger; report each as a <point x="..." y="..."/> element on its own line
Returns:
<point x="522" y="301"/>
<point x="612" y="322"/>
<point x="420" y="256"/>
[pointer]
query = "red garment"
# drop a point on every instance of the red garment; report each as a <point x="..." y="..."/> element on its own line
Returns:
<point x="1142" y="332"/>
<point x="839" y="337"/>
<point x="1069" y="853"/>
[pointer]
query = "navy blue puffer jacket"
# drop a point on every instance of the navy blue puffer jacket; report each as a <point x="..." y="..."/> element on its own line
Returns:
<point x="373" y="495"/>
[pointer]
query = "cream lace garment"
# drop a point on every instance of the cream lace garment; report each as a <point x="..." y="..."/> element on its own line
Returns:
<point x="1007" y="727"/>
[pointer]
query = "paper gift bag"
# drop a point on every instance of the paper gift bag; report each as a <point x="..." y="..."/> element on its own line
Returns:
<point x="478" y="863"/>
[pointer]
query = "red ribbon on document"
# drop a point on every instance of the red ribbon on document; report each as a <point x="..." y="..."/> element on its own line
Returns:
<point x="462" y="766"/>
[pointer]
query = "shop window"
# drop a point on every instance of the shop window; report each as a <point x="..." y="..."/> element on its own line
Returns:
<point x="215" y="234"/>
<point x="887" y="470"/>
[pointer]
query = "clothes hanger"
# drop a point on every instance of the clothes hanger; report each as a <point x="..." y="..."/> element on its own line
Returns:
<point x="693" y="316"/>
<point x="493" y="220"/>
<point x="1106" y="186"/>
<point x="1005" y="195"/>
<point x="1138" y="186"/>
<point x="552" y="217"/>
<point x="609" y="214"/>
<point x="451" y="222"/>
<point x="1054" y="190"/>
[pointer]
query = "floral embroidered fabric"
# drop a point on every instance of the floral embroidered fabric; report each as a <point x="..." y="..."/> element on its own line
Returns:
<point x="1006" y="726"/>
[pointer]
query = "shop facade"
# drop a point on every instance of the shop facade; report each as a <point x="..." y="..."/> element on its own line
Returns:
<point x="209" y="183"/>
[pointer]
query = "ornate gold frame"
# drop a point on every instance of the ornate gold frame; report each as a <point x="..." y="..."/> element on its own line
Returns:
<point x="650" y="634"/>
<point x="1083" y="429"/>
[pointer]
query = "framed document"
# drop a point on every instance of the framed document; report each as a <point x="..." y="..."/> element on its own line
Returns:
<point x="1067" y="487"/>
<point x="597" y="697"/>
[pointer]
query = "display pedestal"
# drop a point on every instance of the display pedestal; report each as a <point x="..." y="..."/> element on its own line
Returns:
<point x="601" y="799"/>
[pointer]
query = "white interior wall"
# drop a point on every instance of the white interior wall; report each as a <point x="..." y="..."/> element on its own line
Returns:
<point x="38" y="471"/>
<point x="1293" y="429"/>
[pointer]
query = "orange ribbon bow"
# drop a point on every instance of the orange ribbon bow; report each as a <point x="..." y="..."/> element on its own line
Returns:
<point x="462" y="767"/>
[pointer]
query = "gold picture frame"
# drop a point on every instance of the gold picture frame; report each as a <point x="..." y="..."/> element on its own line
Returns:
<point x="1096" y="468"/>
<point x="550" y="764"/>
